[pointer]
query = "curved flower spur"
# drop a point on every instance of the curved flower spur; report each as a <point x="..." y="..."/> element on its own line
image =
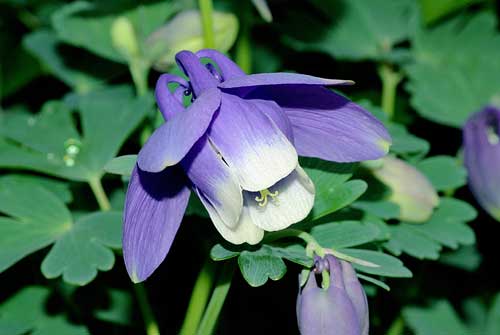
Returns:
<point x="236" y="146"/>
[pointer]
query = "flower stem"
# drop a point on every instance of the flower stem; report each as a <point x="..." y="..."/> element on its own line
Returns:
<point x="243" y="48"/>
<point x="199" y="298"/>
<point x="147" y="313"/>
<point x="206" y="9"/>
<point x="139" y="71"/>
<point x="397" y="327"/>
<point x="100" y="195"/>
<point x="390" y="80"/>
<point x="209" y="321"/>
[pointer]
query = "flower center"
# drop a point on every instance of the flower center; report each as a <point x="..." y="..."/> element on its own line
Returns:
<point x="262" y="199"/>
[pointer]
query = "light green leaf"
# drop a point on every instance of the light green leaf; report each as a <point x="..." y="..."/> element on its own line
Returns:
<point x="447" y="224"/>
<point x="50" y="143"/>
<point x="84" y="249"/>
<point x="122" y="165"/>
<point x="119" y="310"/>
<point x="404" y="238"/>
<point x="259" y="266"/>
<point x="444" y="172"/>
<point x="43" y="44"/>
<point x="439" y="318"/>
<point x="88" y="25"/>
<point x="448" y="82"/>
<point x="388" y="266"/>
<point x="361" y="29"/>
<point x="25" y="312"/>
<point x="433" y="10"/>
<point x="221" y="253"/>
<point x="36" y="219"/>
<point x="344" y="234"/>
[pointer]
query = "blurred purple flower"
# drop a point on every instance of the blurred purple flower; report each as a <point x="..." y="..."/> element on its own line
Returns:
<point x="482" y="158"/>
<point x="237" y="148"/>
<point x="341" y="309"/>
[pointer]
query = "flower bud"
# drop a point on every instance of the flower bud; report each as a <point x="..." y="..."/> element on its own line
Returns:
<point x="341" y="309"/>
<point x="184" y="32"/>
<point x="410" y="189"/>
<point x="124" y="38"/>
<point x="482" y="158"/>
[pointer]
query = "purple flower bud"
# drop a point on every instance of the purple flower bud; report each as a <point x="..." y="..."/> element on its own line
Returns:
<point x="482" y="158"/>
<point x="341" y="309"/>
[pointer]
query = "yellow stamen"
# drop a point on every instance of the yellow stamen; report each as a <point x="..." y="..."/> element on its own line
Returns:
<point x="262" y="200"/>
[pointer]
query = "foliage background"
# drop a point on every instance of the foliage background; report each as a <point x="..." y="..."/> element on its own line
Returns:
<point x="440" y="59"/>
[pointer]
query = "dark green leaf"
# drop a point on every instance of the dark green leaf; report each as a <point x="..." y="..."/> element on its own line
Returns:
<point x="388" y="266"/>
<point x="119" y="310"/>
<point x="25" y="312"/>
<point x="259" y="266"/>
<point x="404" y="238"/>
<point x="344" y="234"/>
<point x="466" y="257"/>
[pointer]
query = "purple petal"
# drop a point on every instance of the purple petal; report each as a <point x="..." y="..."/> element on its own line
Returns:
<point x="168" y="103"/>
<point x="277" y="115"/>
<point x="356" y="294"/>
<point x="215" y="181"/>
<point x="154" y="208"/>
<point x="199" y="76"/>
<point x="327" y="125"/>
<point x="325" y="312"/>
<point x="172" y="141"/>
<point x="228" y="69"/>
<point x="252" y="145"/>
<point x="280" y="78"/>
<point x="482" y="158"/>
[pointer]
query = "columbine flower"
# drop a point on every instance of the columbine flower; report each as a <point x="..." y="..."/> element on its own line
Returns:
<point x="340" y="309"/>
<point x="482" y="158"/>
<point x="236" y="147"/>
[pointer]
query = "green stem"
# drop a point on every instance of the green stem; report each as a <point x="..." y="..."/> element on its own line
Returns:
<point x="206" y="9"/>
<point x="209" y="321"/>
<point x="243" y="48"/>
<point x="100" y="195"/>
<point x="147" y="313"/>
<point x="390" y="80"/>
<point x="397" y="327"/>
<point x="199" y="298"/>
<point x="139" y="71"/>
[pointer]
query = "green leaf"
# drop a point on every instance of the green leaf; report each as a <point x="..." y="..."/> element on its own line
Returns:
<point x="119" y="309"/>
<point x="433" y="10"/>
<point x="344" y="234"/>
<point x="332" y="190"/>
<point x="37" y="219"/>
<point x="18" y="68"/>
<point x="439" y="318"/>
<point x="259" y="266"/>
<point x="444" y="172"/>
<point x="88" y="25"/>
<point x="25" y="312"/>
<point x="447" y="224"/>
<point x="374" y="281"/>
<point x="121" y="165"/>
<point x="381" y="208"/>
<point x="404" y="238"/>
<point x="466" y="258"/>
<point x="58" y="188"/>
<point x="50" y="143"/>
<point x="361" y="29"/>
<point x="447" y="81"/>
<point x="388" y="266"/>
<point x="84" y="249"/>
<point x="493" y="320"/>
<point x="404" y="143"/>
<point x="221" y="253"/>
<point x="43" y="44"/>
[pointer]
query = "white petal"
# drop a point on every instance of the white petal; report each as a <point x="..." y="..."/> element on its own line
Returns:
<point x="243" y="231"/>
<point x="292" y="204"/>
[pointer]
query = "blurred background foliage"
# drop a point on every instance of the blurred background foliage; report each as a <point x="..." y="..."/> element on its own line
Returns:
<point x="76" y="82"/>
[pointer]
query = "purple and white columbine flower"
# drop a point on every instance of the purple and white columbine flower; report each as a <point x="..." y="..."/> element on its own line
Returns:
<point x="482" y="158"/>
<point x="237" y="148"/>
